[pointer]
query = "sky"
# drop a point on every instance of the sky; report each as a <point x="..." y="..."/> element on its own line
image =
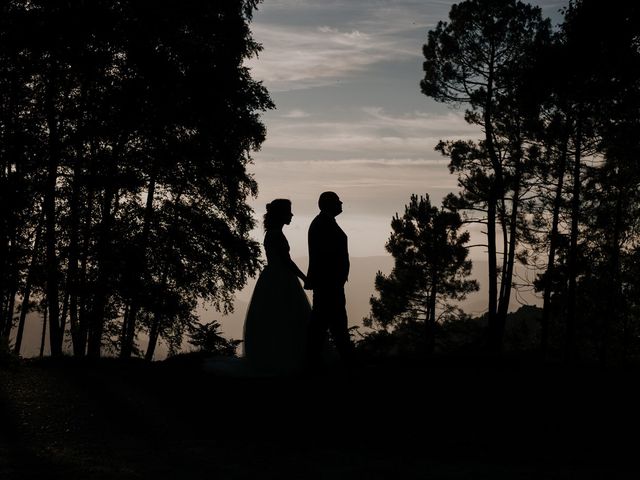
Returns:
<point x="344" y="76"/>
<point x="350" y="117"/>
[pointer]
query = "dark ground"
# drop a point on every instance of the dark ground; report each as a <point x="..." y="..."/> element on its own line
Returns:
<point x="452" y="419"/>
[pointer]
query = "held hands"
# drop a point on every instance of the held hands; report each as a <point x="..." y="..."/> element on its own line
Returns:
<point x="306" y="285"/>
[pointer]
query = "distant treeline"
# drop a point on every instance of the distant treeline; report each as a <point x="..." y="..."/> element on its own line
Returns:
<point x="555" y="180"/>
<point x="125" y="131"/>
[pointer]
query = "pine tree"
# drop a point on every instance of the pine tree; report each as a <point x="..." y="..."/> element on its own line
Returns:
<point x="430" y="271"/>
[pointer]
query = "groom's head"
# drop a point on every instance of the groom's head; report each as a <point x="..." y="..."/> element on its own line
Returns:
<point x="330" y="203"/>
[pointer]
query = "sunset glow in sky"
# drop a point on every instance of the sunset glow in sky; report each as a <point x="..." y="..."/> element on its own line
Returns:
<point x="350" y="117"/>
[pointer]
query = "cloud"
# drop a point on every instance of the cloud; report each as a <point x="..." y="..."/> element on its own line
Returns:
<point x="296" y="113"/>
<point x="370" y="132"/>
<point x="363" y="137"/>
<point x="374" y="160"/>
<point x="302" y="57"/>
<point x="327" y="29"/>
<point x="373" y="187"/>
<point x="310" y="43"/>
<point x="372" y="190"/>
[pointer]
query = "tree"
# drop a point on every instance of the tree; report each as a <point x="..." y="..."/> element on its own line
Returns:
<point x="21" y="176"/>
<point x="477" y="59"/>
<point x="612" y="200"/>
<point x="430" y="270"/>
<point x="589" y="110"/>
<point x="196" y="180"/>
<point x="207" y="338"/>
<point x="126" y="129"/>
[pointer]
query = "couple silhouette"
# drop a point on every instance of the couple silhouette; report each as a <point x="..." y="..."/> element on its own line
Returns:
<point x="283" y="334"/>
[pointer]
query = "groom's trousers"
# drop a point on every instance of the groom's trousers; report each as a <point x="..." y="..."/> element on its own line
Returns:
<point x="329" y="313"/>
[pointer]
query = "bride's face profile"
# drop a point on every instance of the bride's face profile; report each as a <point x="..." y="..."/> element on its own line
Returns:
<point x="287" y="216"/>
<point x="278" y="214"/>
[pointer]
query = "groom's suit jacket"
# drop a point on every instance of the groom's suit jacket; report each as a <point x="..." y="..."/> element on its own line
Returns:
<point x="328" y="254"/>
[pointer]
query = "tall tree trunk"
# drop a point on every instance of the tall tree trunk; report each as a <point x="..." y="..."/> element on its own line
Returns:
<point x="44" y="330"/>
<point x="505" y="250"/>
<point x="553" y="245"/>
<point x="80" y="342"/>
<point x="104" y="258"/>
<point x="157" y="317"/>
<point x="12" y="271"/>
<point x="613" y="299"/>
<point x="27" y="288"/>
<point x="3" y="340"/>
<point x="570" y="341"/>
<point x="55" y="333"/>
<point x="72" y="271"/>
<point x="154" y="334"/>
<point x="495" y="193"/>
<point x="10" y="313"/>
<point x="431" y="319"/>
<point x="4" y="314"/>
<point x="7" y="213"/>
<point x="127" y="345"/>
<point x="494" y="335"/>
<point x="98" y="311"/>
<point x="500" y="319"/>
<point x="507" y="279"/>
<point x="125" y="321"/>
<point x="63" y="315"/>
<point x="4" y="270"/>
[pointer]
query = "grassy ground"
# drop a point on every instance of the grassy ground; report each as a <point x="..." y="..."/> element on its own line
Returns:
<point x="447" y="420"/>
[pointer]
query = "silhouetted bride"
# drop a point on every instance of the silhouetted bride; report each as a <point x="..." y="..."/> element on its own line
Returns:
<point x="277" y="321"/>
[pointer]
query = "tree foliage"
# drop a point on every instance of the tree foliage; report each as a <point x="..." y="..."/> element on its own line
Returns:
<point x="591" y="107"/>
<point x="554" y="177"/>
<point x="478" y="59"/>
<point x="430" y="269"/>
<point x="208" y="338"/>
<point x="126" y="129"/>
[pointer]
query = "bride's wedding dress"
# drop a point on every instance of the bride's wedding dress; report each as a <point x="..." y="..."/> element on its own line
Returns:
<point x="277" y="321"/>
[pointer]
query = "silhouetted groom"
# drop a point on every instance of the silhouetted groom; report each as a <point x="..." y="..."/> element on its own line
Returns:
<point x="327" y="274"/>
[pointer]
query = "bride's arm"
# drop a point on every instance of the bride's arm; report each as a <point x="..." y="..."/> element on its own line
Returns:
<point x="297" y="271"/>
<point x="284" y="246"/>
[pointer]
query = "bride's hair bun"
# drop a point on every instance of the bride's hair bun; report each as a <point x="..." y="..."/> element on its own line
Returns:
<point x="276" y="209"/>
